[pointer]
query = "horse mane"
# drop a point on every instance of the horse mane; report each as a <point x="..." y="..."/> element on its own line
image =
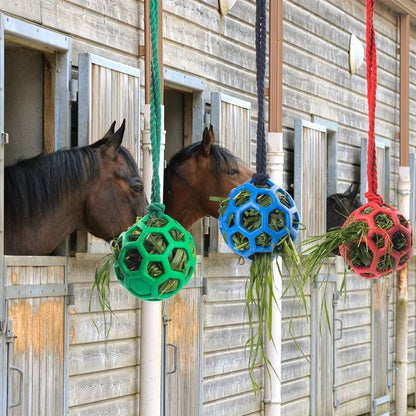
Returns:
<point x="33" y="187"/>
<point x="220" y="157"/>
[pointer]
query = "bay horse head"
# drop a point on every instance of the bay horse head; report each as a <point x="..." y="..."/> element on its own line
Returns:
<point x="196" y="173"/>
<point x="95" y="188"/>
<point x="340" y="206"/>
<point x="117" y="198"/>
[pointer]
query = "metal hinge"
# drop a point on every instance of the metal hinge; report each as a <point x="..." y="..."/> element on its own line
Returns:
<point x="204" y="286"/>
<point x="73" y="90"/>
<point x="205" y="225"/>
<point x="70" y="294"/>
<point x="4" y="138"/>
<point x="3" y="326"/>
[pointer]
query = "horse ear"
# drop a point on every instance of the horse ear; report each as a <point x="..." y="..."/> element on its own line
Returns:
<point x="115" y="139"/>
<point x="208" y="139"/>
<point x="110" y="131"/>
<point x="353" y="192"/>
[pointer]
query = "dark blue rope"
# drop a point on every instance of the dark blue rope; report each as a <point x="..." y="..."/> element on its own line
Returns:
<point x="261" y="177"/>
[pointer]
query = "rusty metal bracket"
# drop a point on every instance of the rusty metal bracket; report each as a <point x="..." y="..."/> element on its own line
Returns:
<point x="36" y="291"/>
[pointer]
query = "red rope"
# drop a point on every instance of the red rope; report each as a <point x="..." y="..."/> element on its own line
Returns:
<point x="371" y="97"/>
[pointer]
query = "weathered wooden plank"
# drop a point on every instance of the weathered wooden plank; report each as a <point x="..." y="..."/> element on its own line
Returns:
<point x="82" y="23"/>
<point x="80" y="45"/>
<point x="298" y="327"/>
<point x="356" y="317"/>
<point x="225" y="362"/>
<point x="89" y="358"/>
<point x="118" y="296"/>
<point x="126" y="12"/>
<point x="26" y="10"/>
<point x="83" y="266"/>
<point x="299" y="407"/>
<point x="295" y="308"/>
<point x="224" y="74"/>
<point x="126" y="405"/>
<point x="353" y="372"/>
<point x="226" y="289"/>
<point x="359" y="406"/>
<point x="237" y="383"/>
<point x="355" y="335"/>
<point x="126" y="324"/>
<point x="290" y="292"/>
<point x="331" y="92"/>
<point x="295" y="390"/>
<point x="353" y="354"/>
<point x="224" y="314"/>
<point x="217" y="265"/>
<point x="331" y="54"/>
<point x="235" y="405"/>
<point x="355" y="390"/>
<point x="292" y="370"/>
<point x="204" y="41"/>
<point x="242" y="17"/>
<point x="355" y="300"/>
<point x="223" y="338"/>
<point x="301" y="101"/>
<point x="351" y="15"/>
<point x="103" y="386"/>
<point x="292" y="350"/>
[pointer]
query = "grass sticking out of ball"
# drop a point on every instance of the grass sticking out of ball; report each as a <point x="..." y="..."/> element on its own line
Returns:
<point x="260" y="290"/>
<point x="154" y="244"/>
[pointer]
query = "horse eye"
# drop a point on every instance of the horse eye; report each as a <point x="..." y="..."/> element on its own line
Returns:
<point x="136" y="186"/>
<point x="233" y="172"/>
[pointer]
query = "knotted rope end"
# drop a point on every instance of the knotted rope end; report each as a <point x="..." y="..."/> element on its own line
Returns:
<point x="260" y="178"/>
<point x="372" y="197"/>
<point x="156" y="209"/>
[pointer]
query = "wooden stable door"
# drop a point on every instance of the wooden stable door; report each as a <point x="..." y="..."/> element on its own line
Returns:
<point x="182" y="368"/>
<point x="36" y="292"/>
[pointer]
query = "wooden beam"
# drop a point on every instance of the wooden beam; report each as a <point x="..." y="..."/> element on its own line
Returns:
<point x="403" y="7"/>
<point x="275" y="65"/>
<point x="160" y="48"/>
<point x="148" y="51"/>
<point x="404" y="88"/>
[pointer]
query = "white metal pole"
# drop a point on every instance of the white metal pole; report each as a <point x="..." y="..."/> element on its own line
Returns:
<point x="402" y="314"/>
<point x="272" y="384"/>
<point x="151" y="312"/>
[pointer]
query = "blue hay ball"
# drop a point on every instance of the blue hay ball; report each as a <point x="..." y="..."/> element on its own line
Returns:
<point x="270" y="209"/>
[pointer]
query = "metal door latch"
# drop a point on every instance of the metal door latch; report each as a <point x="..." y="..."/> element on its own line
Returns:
<point x="4" y="138"/>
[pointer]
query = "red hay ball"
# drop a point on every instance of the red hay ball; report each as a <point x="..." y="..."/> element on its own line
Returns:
<point x="386" y="248"/>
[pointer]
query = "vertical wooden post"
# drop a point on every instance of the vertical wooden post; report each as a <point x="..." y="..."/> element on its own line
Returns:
<point x="275" y="65"/>
<point x="403" y="205"/>
<point x="148" y="51"/>
<point x="404" y="88"/>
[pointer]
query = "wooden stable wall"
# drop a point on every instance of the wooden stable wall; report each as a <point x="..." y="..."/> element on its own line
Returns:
<point x="103" y="370"/>
<point x="199" y="42"/>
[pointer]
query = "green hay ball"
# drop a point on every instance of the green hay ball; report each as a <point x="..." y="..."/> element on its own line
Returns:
<point x="156" y="257"/>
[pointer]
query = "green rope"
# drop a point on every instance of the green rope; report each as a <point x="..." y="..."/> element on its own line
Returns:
<point x="155" y="110"/>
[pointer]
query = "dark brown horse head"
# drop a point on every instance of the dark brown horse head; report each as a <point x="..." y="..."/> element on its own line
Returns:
<point x="117" y="198"/>
<point x="340" y="206"/>
<point x="95" y="188"/>
<point x="196" y="173"/>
